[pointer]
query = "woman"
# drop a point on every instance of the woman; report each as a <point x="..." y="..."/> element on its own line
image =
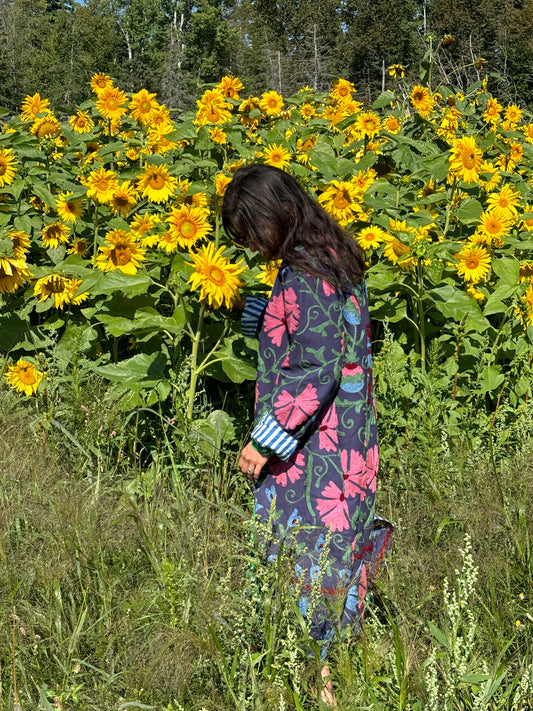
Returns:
<point x="313" y="451"/>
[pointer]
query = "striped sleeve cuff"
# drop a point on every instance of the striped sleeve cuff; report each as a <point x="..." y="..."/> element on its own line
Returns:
<point x="254" y="307"/>
<point x="268" y="434"/>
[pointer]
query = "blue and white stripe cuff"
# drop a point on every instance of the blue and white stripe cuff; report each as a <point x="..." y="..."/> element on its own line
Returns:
<point x="269" y="434"/>
<point x="254" y="307"/>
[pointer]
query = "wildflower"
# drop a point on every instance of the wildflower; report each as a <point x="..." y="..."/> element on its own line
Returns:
<point x="13" y="271"/>
<point x="422" y="100"/>
<point x="23" y="377"/>
<point x="54" y="286"/>
<point x="32" y="106"/>
<point x="124" y="198"/>
<point x="368" y="124"/>
<point x="370" y="237"/>
<point x="21" y="243"/>
<point x="110" y="103"/>
<point x="212" y="108"/>
<point x="397" y="71"/>
<point x="187" y="225"/>
<point x="221" y="183"/>
<point x="342" y="90"/>
<point x="7" y="166"/>
<point x="120" y="251"/>
<point x="156" y="183"/>
<point x="101" y="184"/>
<point x="68" y="210"/>
<point x="474" y="263"/>
<point x="81" y="122"/>
<point x="277" y="156"/>
<point x="99" y="82"/>
<point x="216" y="276"/>
<point x="230" y="86"/>
<point x="142" y="106"/>
<point x="54" y="234"/>
<point x="465" y="159"/>
<point x="507" y="200"/>
<point x="339" y="199"/>
<point x="271" y="103"/>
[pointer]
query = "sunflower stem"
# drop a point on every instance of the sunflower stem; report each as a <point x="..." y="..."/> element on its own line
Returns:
<point x="195" y="371"/>
<point x="95" y="237"/>
<point x="421" y="315"/>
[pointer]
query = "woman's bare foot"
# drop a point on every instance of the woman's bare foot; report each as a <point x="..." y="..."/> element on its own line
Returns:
<point x="326" y="693"/>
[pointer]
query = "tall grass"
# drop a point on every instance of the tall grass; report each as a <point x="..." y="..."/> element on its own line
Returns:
<point x="128" y="577"/>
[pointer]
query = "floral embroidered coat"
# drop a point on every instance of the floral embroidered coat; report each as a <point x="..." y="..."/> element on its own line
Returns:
<point x="316" y="418"/>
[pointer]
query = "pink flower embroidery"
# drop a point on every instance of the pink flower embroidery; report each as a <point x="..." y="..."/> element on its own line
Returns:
<point x="282" y="313"/>
<point x="353" y="466"/>
<point x="333" y="508"/>
<point x="328" y="438"/>
<point x="291" y="411"/>
<point x="372" y="466"/>
<point x="292" y="470"/>
<point x="328" y="289"/>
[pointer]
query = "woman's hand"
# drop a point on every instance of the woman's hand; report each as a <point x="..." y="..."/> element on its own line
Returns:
<point x="251" y="462"/>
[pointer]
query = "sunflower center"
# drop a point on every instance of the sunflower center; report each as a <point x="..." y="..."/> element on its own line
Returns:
<point x="121" y="255"/>
<point x="216" y="275"/>
<point x="145" y="106"/>
<point x="188" y="229"/>
<point x="341" y="201"/>
<point x="157" y="181"/>
<point x="55" y="285"/>
<point x="472" y="263"/>
<point x="102" y="185"/>
<point x="469" y="159"/>
<point x="26" y="374"/>
<point x="503" y="202"/>
<point x="3" y="167"/>
<point x="112" y="105"/>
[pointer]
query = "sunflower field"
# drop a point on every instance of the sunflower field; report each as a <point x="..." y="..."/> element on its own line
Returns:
<point x="112" y="246"/>
<point x="125" y="549"/>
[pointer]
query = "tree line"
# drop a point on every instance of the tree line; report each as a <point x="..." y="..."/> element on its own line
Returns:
<point x="173" y="47"/>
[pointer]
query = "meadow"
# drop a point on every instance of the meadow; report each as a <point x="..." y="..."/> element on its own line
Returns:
<point x="128" y="576"/>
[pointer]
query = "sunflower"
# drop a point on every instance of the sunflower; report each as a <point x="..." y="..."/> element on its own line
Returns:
<point x="338" y="199"/>
<point x="527" y="223"/>
<point x="45" y="127"/>
<point x="187" y="225"/>
<point x="494" y="226"/>
<point x="53" y="286"/>
<point x="102" y="184"/>
<point x="80" y="247"/>
<point x="342" y="89"/>
<point x="73" y="286"/>
<point x="221" y="183"/>
<point x="526" y="271"/>
<point x="475" y="293"/>
<point x="268" y="272"/>
<point x="494" y="177"/>
<point x="466" y="159"/>
<point x="142" y="106"/>
<point x="474" y="263"/>
<point x="527" y="299"/>
<point x="277" y="156"/>
<point x="516" y="153"/>
<point x="21" y="243"/>
<point x="13" y="271"/>
<point x="397" y="252"/>
<point x="67" y="209"/>
<point x="124" y="198"/>
<point x="492" y="112"/>
<point x="54" y="234"/>
<point x="120" y="251"/>
<point x="156" y="183"/>
<point x="23" y="377"/>
<point x="32" y="106"/>
<point x="7" y="166"/>
<point x="392" y="124"/>
<point x="368" y="124"/>
<point x="230" y="86"/>
<point x="158" y="140"/>
<point x="218" y="136"/>
<point x="513" y="115"/>
<point x="216" y="277"/>
<point x="307" y="111"/>
<point x="142" y="224"/>
<point x="110" y="103"/>
<point x="528" y="132"/>
<point x="422" y="100"/>
<point x="212" y="108"/>
<point x="81" y="122"/>
<point x="507" y="200"/>
<point x="271" y="103"/>
<point x="371" y="237"/>
<point x="363" y="180"/>
<point x="397" y="71"/>
<point x="99" y="82"/>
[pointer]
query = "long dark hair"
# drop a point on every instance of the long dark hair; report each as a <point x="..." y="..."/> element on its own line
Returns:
<point x="268" y="208"/>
